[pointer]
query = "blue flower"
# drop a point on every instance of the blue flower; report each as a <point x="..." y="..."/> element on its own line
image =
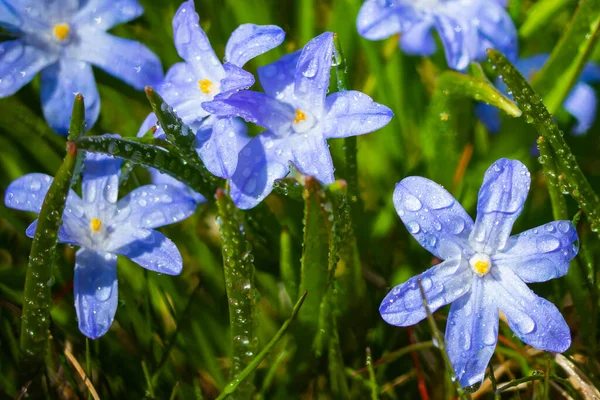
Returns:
<point x="581" y="102"/>
<point x="62" y="39"/>
<point x="299" y="116"/>
<point x="485" y="270"/>
<point x="203" y="78"/>
<point x="466" y="27"/>
<point x="105" y="227"/>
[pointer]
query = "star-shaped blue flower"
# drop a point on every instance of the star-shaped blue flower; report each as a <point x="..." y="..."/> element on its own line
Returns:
<point x="105" y="227"/>
<point x="63" y="39"/>
<point x="485" y="270"/>
<point x="203" y="78"/>
<point x="466" y="27"/>
<point x="299" y="116"/>
<point x="581" y="102"/>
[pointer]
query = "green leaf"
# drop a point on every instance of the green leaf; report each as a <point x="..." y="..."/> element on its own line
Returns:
<point x="316" y="250"/>
<point x="540" y="14"/>
<point x="575" y="183"/>
<point x="233" y="385"/>
<point x="37" y="300"/>
<point x="176" y="131"/>
<point x="439" y="137"/>
<point x="168" y="162"/>
<point x="560" y="73"/>
<point x="238" y="267"/>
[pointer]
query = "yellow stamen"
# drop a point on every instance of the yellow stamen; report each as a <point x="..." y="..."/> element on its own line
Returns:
<point x="482" y="266"/>
<point x="205" y="85"/>
<point x="95" y="224"/>
<point x="61" y="31"/>
<point x="300" y="116"/>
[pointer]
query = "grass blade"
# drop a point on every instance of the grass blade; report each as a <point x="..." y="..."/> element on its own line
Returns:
<point x="169" y="162"/>
<point x="232" y="386"/>
<point x="36" y="299"/>
<point x="578" y="185"/>
<point x="560" y="73"/>
<point x="238" y="266"/>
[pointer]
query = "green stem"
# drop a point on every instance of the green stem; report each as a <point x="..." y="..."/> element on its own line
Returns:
<point x="439" y="341"/>
<point x="37" y="294"/>
<point x="169" y="162"/>
<point x="374" y="387"/>
<point x="559" y="205"/>
<point x="232" y="386"/>
<point x="578" y="185"/>
<point x="517" y="382"/>
<point x="350" y="147"/>
<point x="238" y="267"/>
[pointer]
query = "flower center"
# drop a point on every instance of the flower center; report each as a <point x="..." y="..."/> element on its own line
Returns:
<point x="300" y="116"/>
<point x="480" y="263"/>
<point x="205" y="85"/>
<point x="95" y="225"/>
<point x="61" y="31"/>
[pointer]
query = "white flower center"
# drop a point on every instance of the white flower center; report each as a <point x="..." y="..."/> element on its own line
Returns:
<point x="480" y="263"/>
<point x="303" y="121"/>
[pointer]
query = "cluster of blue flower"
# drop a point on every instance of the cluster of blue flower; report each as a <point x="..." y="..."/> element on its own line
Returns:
<point x="484" y="271"/>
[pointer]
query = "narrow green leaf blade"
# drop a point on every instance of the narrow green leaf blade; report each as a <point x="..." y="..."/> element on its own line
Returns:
<point x="238" y="266"/>
<point x="560" y="73"/>
<point x="37" y="300"/>
<point x="578" y="185"/>
<point x="169" y="162"/>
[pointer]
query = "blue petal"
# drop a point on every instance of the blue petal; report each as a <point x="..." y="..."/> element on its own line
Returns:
<point x="311" y="155"/>
<point x="100" y="179"/>
<point x="540" y="254"/>
<point x="380" y="19"/>
<point x="193" y="45"/>
<point x="180" y="91"/>
<point x="257" y="108"/>
<point x="153" y="206"/>
<point x="277" y="78"/>
<point x="220" y="151"/>
<point x="249" y="41"/>
<point x="497" y="31"/>
<point x="418" y="39"/>
<point x="96" y="291"/>
<point x="311" y="80"/>
<point x="60" y="83"/>
<point x="32" y="16"/>
<point x="582" y="103"/>
<point x="472" y="333"/>
<point x="590" y="73"/>
<point x="236" y="79"/>
<point x="263" y="160"/>
<point x="19" y="63"/>
<point x="353" y="113"/>
<point x="69" y="232"/>
<point x="27" y="192"/>
<point x="432" y="216"/>
<point x="158" y="178"/>
<point x="535" y="320"/>
<point x="104" y="14"/>
<point x="501" y="198"/>
<point x="153" y="251"/>
<point x="442" y="284"/>
<point x="10" y="18"/>
<point x="489" y="116"/>
<point x="125" y="59"/>
<point x="455" y="46"/>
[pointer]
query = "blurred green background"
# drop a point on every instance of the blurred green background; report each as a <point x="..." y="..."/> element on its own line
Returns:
<point x="171" y="335"/>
